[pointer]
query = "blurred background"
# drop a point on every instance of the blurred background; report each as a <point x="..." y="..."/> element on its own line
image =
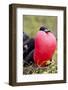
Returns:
<point x="31" y="25"/>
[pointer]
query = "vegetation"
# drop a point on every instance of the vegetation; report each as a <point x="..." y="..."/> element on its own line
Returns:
<point x="33" y="23"/>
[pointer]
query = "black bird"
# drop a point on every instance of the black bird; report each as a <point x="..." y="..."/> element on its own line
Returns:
<point x="28" y="48"/>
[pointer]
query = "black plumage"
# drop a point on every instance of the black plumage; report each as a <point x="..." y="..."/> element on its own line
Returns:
<point x="28" y="48"/>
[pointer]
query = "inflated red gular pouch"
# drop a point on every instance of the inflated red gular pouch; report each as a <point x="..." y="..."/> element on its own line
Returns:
<point x="45" y="45"/>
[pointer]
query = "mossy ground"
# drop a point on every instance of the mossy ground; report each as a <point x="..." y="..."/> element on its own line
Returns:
<point x="50" y="68"/>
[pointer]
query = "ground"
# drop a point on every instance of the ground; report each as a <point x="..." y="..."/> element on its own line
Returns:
<point x="51" y="68"/>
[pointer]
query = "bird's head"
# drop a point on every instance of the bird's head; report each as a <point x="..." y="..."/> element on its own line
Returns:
<point x="43" y="28"/>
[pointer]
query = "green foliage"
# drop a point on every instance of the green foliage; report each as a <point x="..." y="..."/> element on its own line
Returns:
<point x="33" y="23"/>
